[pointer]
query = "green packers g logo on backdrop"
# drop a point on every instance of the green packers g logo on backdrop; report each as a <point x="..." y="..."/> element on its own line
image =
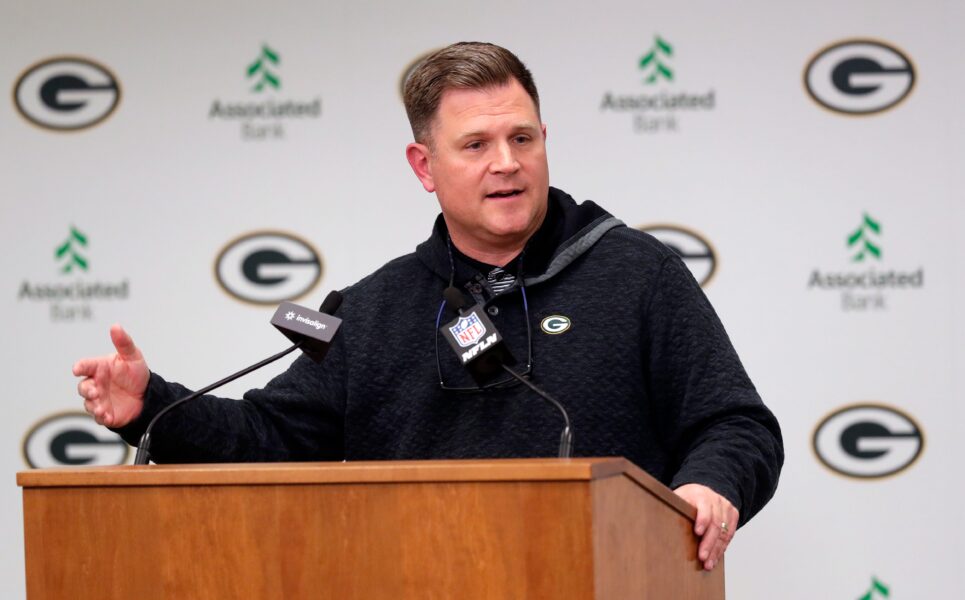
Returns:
<point x="267" y="267"/>
<point x="690" y="246"/>
<point x="66" y="93"/>
<point x="859" y="77"/>
<point x="868" y="441"/>
<point x="412" y="67"/>
<point x="71" y="439"/>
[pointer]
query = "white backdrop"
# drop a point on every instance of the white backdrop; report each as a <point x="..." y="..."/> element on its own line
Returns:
<point x="774" y="182"/>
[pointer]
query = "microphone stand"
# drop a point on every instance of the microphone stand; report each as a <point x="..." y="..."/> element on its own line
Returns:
<point x="566" y="437"/>
<point x="144" y="445"/>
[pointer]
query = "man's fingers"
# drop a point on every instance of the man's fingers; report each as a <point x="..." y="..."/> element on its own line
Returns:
<point x="704" y="528"/>
<point x="85" y="367"/>
<point x="717" y="551"/>
<point x="704" y="514"/>
<point x="87" y="388"/>
<point x="124" y="344"/>
<point x="708" y="545"/>
<point x="713" y="511"/>
<point x="100" y="410"/>
<point x="104" y="415"/>
<point x="730" y="517"/>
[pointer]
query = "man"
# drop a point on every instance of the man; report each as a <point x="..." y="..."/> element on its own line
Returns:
<point x="636" y="353"/>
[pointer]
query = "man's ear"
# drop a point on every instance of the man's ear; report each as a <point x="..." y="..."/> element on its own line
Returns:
<point x="418" y="156"/>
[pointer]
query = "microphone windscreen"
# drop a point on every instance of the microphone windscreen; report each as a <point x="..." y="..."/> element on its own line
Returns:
<point x="331" y="303"/>
<point x="454" y="298"/>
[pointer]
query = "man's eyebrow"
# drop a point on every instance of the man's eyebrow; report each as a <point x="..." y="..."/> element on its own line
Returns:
<point x="526" y="126"/>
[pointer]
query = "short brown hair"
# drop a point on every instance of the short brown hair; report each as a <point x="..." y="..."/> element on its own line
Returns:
<point x="464" y="65"/>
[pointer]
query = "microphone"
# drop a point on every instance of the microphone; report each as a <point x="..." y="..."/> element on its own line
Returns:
<point x="454" y="298"/>
<point x="474" y="338"/>
<point x="310" y="330"/>
<point x="481" y="349"/>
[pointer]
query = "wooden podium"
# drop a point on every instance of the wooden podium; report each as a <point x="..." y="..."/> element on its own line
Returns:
<point x="532" y="529"/>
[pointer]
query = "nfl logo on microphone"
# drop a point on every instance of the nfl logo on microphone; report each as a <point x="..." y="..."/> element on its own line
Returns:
<point x="468" y="330"/>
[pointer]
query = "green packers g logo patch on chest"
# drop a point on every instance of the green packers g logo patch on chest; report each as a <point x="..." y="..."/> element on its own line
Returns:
<point x="555" y="324"/>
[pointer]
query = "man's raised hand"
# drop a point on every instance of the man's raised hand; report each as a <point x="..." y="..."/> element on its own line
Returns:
<point x="113" y="386"/>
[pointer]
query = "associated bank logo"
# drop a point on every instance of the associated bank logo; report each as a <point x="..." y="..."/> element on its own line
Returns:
<point x="877" y="590"/>
<point x="72" y="439"/>
<point x="661" y="106"/>
<point x="261" y="70"/>
<point x="692" y="247"/>
<point x="868" y="441"/>
<point x="654" y="62"/>
<point x="268" y="116"/>
<point x="66" y="93"/>
<point x="73" y="296"/>
<point x="859" y="77"/>
<point x="869" y="287"/>
<point x="69" y="253"/>
<point x="268" y="267"/>
<point x="864" y="241"/>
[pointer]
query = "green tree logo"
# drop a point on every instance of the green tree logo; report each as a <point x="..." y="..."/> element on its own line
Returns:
<point x="865" y="240"/>
<point x="652" y="62"/>
<point x="877" y="589"/>
<point x="260" y="70"/>
<point x="68" y="253"/>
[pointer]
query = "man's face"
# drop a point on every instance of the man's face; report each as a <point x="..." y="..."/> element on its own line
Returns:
<point x="487" y="165"/>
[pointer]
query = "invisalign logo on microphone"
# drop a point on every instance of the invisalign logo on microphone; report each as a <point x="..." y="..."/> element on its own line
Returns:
<point x="292" y="315"/>
<point x="268" y="267"/>
<point x="316" y="327"/>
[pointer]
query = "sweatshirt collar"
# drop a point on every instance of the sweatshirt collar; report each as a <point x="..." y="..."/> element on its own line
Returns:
<point x="559" y="236"/>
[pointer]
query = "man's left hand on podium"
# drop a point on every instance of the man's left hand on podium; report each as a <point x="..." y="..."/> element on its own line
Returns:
<point x="715" y="523"/>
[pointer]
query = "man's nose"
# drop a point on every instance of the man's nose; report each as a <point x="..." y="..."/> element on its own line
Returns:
<point x="504" y="159"/>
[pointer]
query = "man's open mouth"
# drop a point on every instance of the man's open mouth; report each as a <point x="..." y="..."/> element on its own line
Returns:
<point x="504" y="194"/>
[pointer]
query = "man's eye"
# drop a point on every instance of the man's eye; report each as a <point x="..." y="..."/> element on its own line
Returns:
<point x="521" y="139"/>
<point x="474" y="146"/>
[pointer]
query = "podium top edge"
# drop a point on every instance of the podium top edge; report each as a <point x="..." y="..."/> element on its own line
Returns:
<point x="528" y="469"/>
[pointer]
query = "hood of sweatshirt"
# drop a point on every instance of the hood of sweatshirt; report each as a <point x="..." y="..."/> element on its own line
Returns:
<point x="568" y="230"/>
